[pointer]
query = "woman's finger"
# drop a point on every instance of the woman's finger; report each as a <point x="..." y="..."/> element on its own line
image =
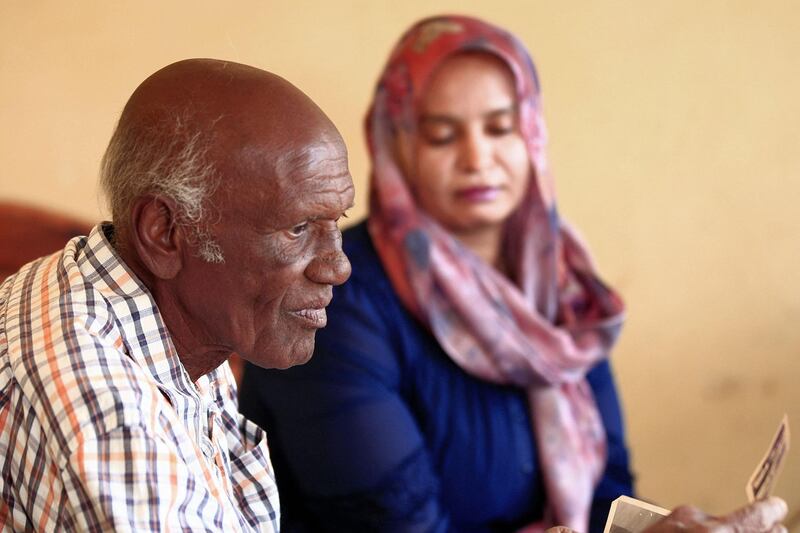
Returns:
<point x="759" y="516"/>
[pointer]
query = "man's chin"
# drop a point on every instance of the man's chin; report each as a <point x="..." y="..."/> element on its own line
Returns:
<point x="299" y="353"/>
<point x="295" y="360"/>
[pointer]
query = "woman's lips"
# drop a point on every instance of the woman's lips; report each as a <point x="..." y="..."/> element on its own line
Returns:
<point x="478" y="194"/>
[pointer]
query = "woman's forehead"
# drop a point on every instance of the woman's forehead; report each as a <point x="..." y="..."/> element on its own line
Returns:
<point x="474" y="82"/>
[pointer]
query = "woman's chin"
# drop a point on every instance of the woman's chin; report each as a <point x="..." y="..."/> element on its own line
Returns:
<point x="479" y="220"/>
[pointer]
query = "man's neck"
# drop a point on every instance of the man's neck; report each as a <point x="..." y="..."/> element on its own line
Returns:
<point x="198" y="354"/>
<point x="198" y="357"/>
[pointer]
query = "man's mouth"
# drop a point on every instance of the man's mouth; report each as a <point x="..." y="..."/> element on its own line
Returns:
<point x="314" y="317"/>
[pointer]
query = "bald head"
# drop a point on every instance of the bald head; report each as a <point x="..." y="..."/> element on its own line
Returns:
<point x="184" y="125"/>
<point x="228" y="99"/>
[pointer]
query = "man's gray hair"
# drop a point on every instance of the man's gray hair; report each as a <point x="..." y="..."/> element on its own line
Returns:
<point x="170" y="160"/>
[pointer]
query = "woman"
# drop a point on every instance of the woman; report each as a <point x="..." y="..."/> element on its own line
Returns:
<point x="462" y="382"/>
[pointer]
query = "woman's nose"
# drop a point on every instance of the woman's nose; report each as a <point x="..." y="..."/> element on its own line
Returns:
<point x="475" y="152"/>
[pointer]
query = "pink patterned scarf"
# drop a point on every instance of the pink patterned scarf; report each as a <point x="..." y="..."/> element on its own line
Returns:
<point x="542" y="332"/>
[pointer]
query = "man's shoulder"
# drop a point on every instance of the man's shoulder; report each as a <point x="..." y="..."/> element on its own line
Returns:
<point x="49" y="300"/>
<point x="64" y="353"/>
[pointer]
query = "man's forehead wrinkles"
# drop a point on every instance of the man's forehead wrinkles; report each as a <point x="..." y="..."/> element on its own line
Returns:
<point x="327" y="192"/>
<point x="310" y="155"/>
<point x="319" y="189"/>
<point x="322" y="180"/>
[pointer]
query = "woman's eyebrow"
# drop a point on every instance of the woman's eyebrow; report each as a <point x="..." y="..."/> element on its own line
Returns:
<point x="450" y="119"/>
<point x="509" y="110"/>
<point x="440" y="118"/>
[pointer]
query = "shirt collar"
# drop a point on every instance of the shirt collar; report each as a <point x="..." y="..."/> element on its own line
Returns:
<point x="144" y="334"/>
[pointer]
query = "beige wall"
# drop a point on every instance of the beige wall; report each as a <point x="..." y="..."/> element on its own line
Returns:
<point x="675" y="133"/>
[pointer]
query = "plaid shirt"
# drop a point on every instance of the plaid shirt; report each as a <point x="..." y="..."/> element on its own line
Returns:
<point x="101" y="427"/>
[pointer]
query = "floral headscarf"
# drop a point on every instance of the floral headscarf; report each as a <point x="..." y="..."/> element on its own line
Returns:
<point x="542" y="328"/>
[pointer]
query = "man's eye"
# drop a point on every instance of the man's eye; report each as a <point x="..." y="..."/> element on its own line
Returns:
<point x="298" y="230"/>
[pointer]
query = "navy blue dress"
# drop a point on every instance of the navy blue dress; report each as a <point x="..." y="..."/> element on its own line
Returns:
<point x="381" y="431"/>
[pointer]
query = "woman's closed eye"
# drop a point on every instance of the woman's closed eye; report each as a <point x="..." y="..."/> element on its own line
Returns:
<point x="437" y="132"/>
<point x="501" y="124"/>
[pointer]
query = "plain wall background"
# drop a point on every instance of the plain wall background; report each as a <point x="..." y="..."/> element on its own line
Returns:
<point x="675" y="144"/>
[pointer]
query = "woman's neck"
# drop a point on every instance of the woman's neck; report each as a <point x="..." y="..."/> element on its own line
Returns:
<point x="485" y="243"/>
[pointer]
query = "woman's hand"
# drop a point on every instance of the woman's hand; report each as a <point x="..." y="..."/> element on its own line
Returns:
<point x="759" y="517"/>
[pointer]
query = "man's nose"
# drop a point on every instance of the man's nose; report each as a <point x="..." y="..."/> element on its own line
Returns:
<point x="330" y="265"/>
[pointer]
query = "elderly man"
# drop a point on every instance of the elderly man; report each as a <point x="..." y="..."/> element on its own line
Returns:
<point x="116" y="410"/>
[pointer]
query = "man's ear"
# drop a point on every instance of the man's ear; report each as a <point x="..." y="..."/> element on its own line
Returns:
<point x="156" y="235"/>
